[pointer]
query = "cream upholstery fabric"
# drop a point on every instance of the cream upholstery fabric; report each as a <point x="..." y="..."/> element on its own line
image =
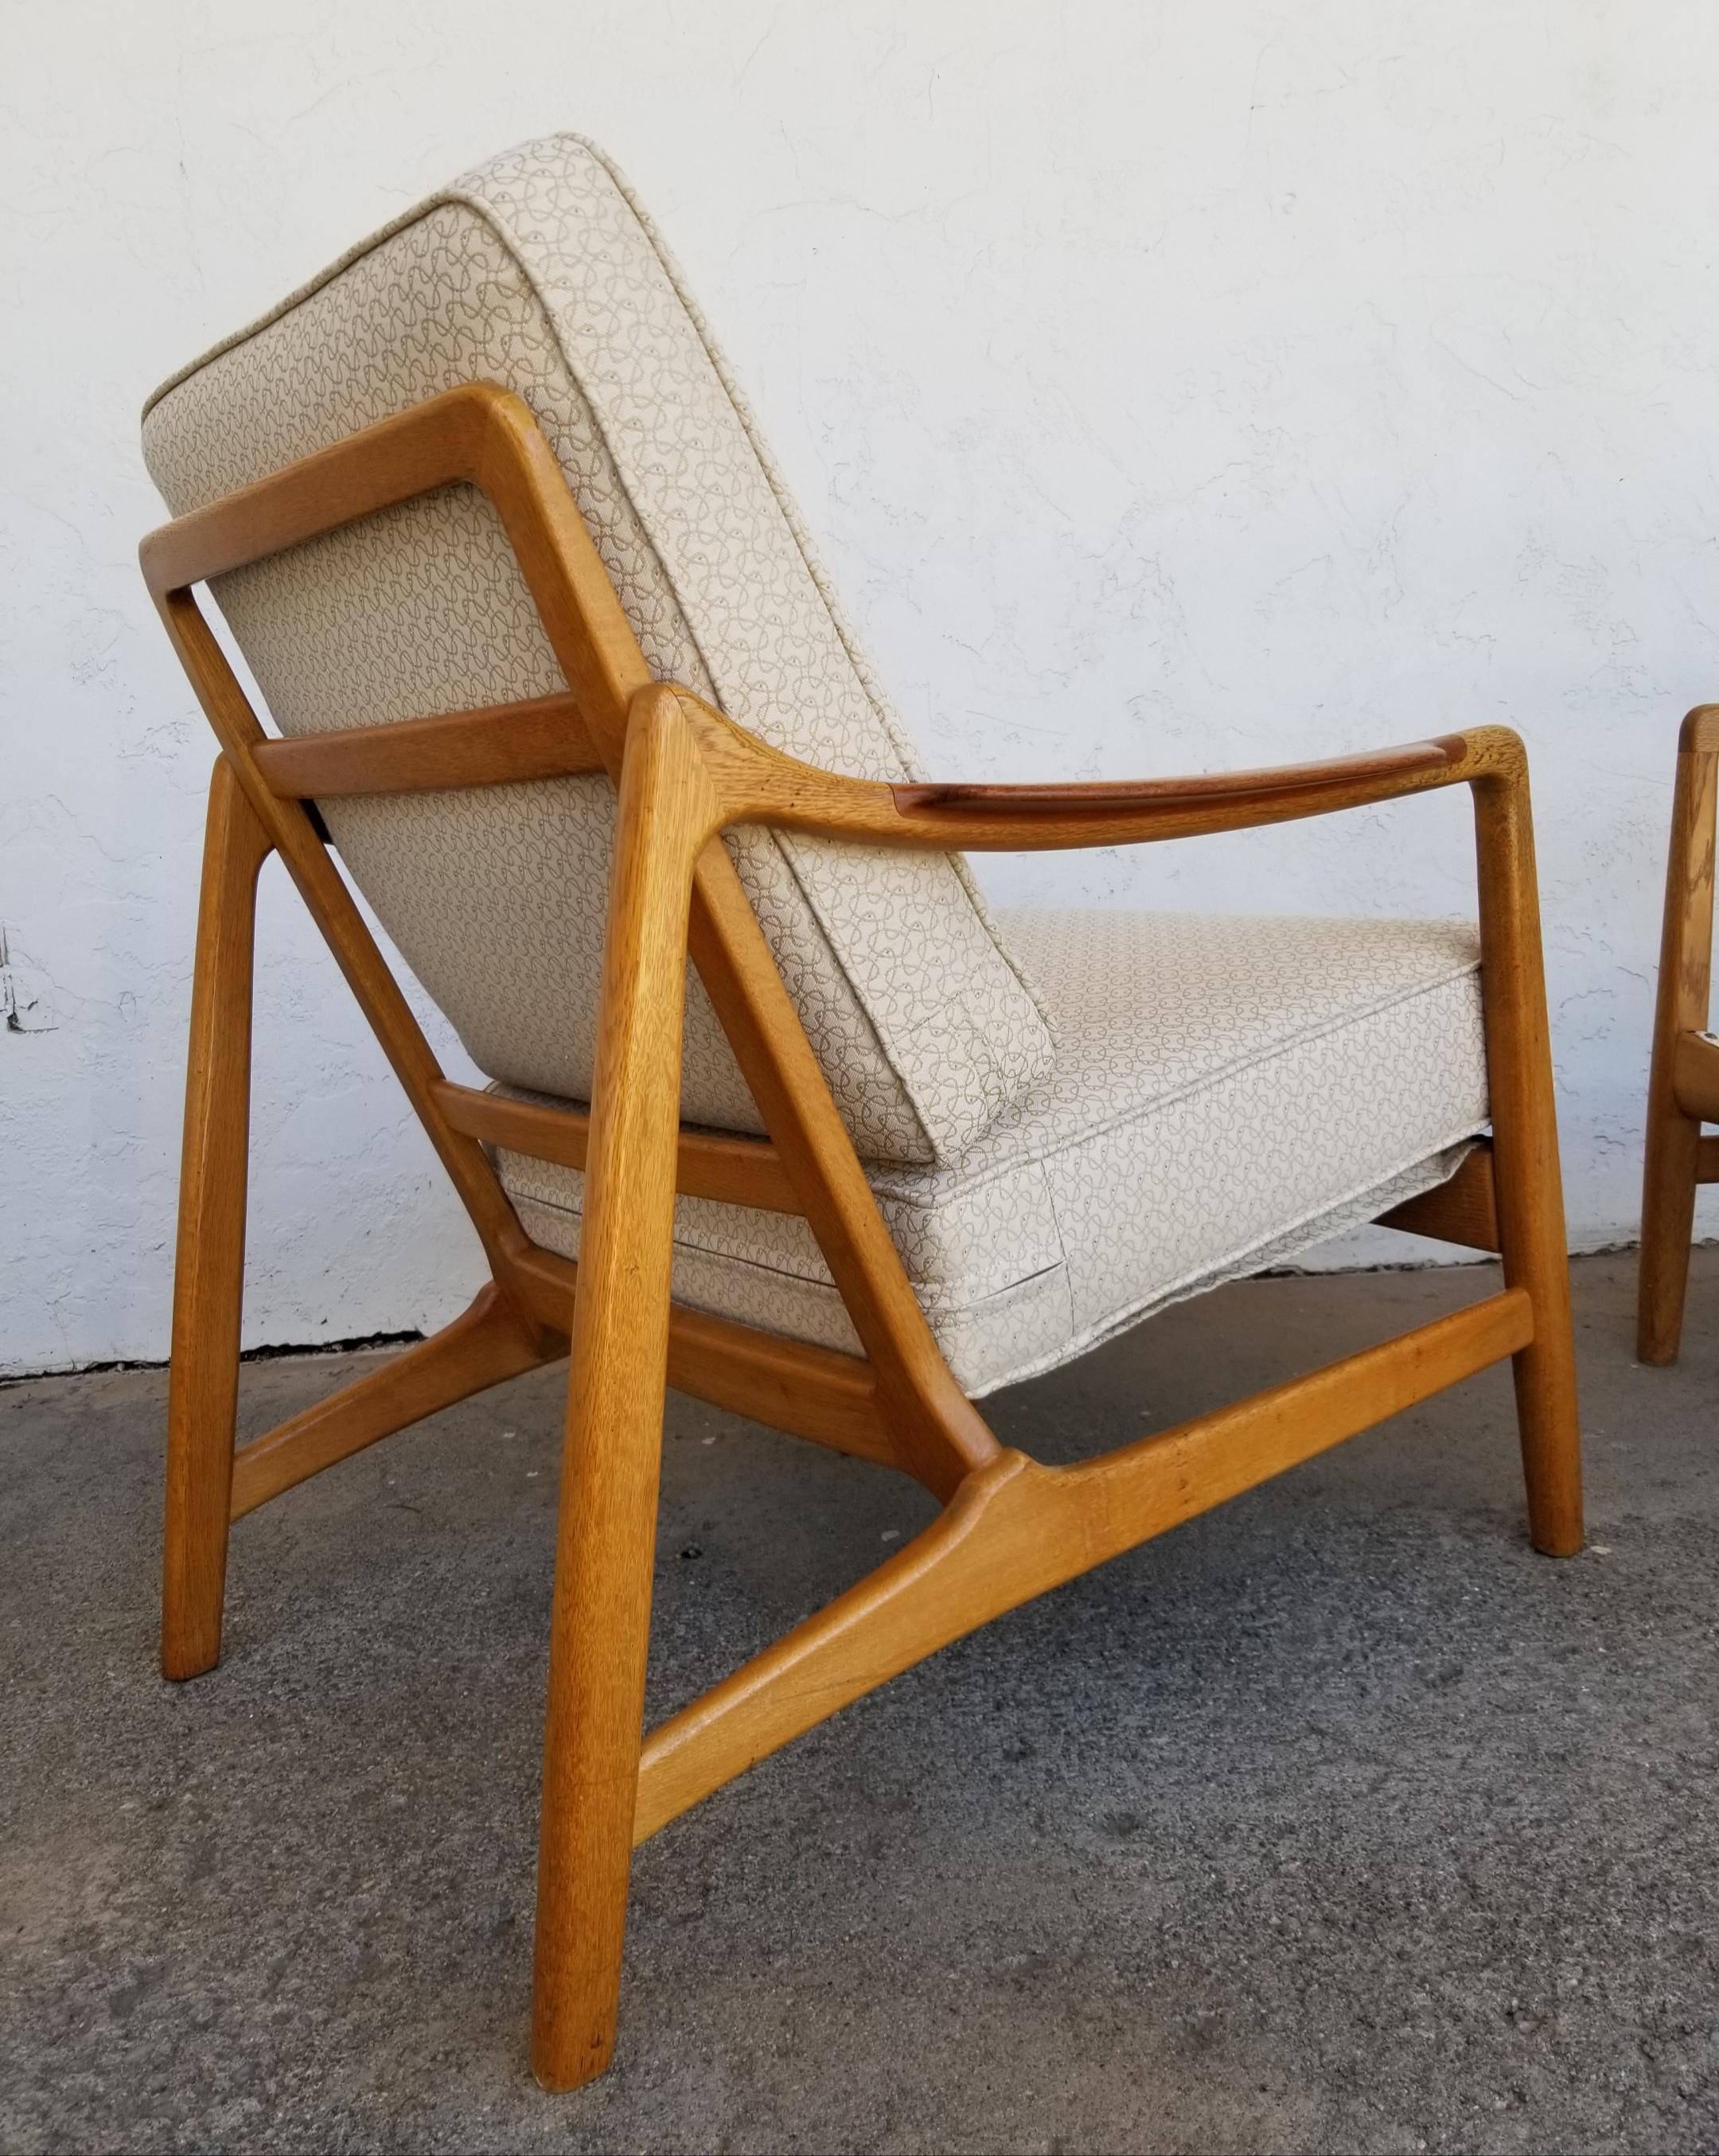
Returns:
<point x="539" y="271"/>
<point x="1192" y="1097"/>
<point x="1227" y="1093"/>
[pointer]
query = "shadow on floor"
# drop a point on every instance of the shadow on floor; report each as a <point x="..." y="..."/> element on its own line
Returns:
<point x="1336" y="1819"/>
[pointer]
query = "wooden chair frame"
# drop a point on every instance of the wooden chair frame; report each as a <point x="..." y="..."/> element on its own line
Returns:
<point x="1010" y="1528"/>
<point x="1683" y="1089"/>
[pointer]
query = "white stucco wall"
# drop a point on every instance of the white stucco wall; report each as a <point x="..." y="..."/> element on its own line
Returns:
<point x="1172" y="387"/>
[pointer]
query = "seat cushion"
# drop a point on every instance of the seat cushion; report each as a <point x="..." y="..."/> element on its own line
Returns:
<point x="539" y="272"/>
<point x="1227" y="1092"/>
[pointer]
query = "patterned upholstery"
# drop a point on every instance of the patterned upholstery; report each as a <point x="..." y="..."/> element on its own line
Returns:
<point x="539" y="271"/>
<point x="1227" y="1093"/>
<point x="1180" y="1100"/>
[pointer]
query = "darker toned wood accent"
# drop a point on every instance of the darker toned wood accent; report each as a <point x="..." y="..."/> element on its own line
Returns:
<point x="1091" y="796"/>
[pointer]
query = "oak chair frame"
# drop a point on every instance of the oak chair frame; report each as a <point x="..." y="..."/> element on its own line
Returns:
<point x="1010" y="1528"/>
<point x="1683" y="1087"/>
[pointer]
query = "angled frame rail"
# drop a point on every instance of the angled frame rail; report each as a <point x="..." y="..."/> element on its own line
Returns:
<point x="1010" y="1528"/>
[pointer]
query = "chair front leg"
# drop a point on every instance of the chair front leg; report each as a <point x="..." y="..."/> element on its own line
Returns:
<point x="1672" y="1169"/>
<point x="208" y="1274"/>
<point x="606" y="1546"/>
<point x="1529" y="1185"/>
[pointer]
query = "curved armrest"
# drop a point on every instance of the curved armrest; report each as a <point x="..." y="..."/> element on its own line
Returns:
<point x="1202" y="789"/>
<point x="758" y="784"/>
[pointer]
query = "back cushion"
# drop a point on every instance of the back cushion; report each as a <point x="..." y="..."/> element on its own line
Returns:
<point x="539" y="272"/>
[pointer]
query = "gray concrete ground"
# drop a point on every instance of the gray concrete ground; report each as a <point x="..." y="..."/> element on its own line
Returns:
<point x="1336" y="1821"/>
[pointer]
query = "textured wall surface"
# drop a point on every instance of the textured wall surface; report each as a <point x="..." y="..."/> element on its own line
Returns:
<point x="1170" y="387"/>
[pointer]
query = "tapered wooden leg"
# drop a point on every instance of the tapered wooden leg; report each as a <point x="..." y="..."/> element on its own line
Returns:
<point x="619" y="1360"/>
<point x="1669" y="1173"/>
<point x="202" y="1393"/>
<point x="1529" y="1185"/>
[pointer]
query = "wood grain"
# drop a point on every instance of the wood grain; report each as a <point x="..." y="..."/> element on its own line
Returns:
<point x="1671" y="1166"/>
<point x="493" y="744"/>
<point x="713" y="1164"/>
<point x="790" y="1385"/>
<point x="1011" y="1528"/>
<point x="487" y="1343"/>
<point x="1110" y="795"/>
<point x="1017" y="1529"/>
<point x="1463" y="1209"/>
<point x="208" y="1269"/>
<point x="600" y="1624"/>
<point x="761" y="785"/>
<point x="1527" y="1177"/>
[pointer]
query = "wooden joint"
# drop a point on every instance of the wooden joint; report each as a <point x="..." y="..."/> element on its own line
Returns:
<point x="1463" y="1208"/>
<point x="713" y="1164"/>
<point x="1695" y="1076"/>
<point x="1016" y="1529"/>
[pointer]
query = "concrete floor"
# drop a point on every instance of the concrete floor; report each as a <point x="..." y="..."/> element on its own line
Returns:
<point x="1336" y="1821"/>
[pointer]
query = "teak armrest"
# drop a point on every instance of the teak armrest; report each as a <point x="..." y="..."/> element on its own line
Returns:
<point x="758" y="784"/>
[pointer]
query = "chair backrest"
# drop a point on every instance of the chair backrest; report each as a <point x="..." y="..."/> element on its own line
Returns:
<point x="539" y="272"/>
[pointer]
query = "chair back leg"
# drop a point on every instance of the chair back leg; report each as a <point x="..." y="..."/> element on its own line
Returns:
<point x="1672" y="1167"/>
<point x="208" y="1275"/>
<point x="1528" y="1183"/>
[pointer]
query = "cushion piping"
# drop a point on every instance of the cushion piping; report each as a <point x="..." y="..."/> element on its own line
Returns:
<point x="487" y="213"/>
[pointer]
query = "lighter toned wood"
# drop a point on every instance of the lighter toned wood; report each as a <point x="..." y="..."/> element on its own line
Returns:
<point x="808" y="1392"/>
<point x="487" y="1343"/>
<point x="600" y="1626"/>
<point x="685" y="772"/>
<point x="713" y="1164"/>
<point x="1672" y="1167"/>
<point x="1698" y="734"/>
<point x="208" y="1271"/>
<point x="1462" y="1209"/>
<point x="1017" y="1529"/>
<point x="1527" y="1177"/>
<point x="939" y="1436"/>
<point x="495" y="745"/>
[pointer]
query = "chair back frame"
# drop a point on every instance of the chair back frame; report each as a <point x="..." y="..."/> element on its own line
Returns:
<point x="1010" y="1528"/>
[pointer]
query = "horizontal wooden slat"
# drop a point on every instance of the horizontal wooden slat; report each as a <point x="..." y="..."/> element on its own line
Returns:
<point x="493" y="744"/>
<point x="1706" y="1160"/>
<point x="1695" y="1076"/>
<point x="808" y="1392"/>
<point x="733" y="1171"/>
<point x="1462" y="1209"/>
